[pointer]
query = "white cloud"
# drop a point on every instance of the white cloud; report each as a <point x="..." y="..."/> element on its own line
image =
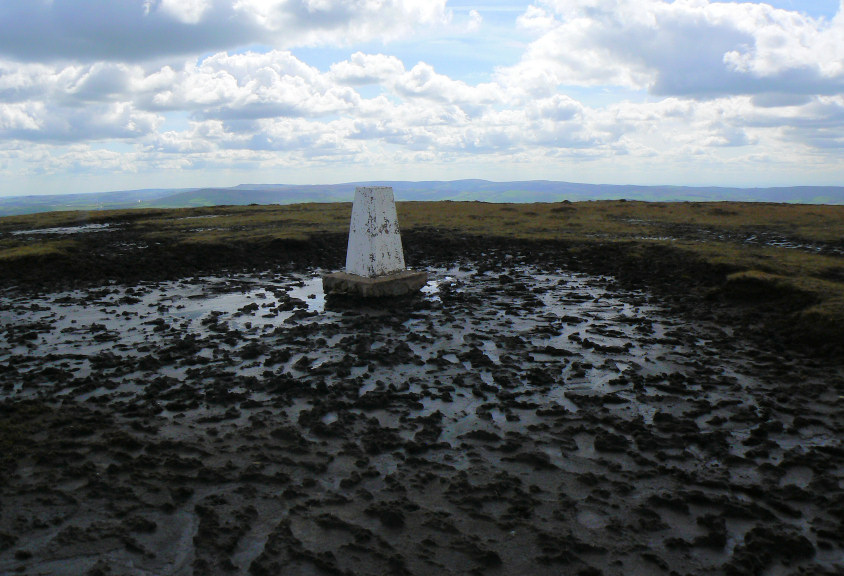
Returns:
<point x="362" y="69"/>
<point x="186" y="11"/>
<point x="139" y="30"/>
<point x="65" y="161"/>
<point x="101" y="81"/>
<point x="17" y="118"/>
<point x="324" y="21"/>
<point x="272" y="102"/>
<point x="422" y="81"/>
<point x="475" y="21"/>
<point x="557" y="108"/>
<point x="691" y="48"/>
<point x="536" y="19"/>
<point x="261" y="85"/>
<point x="705" y="84"/>
<point x="34" y="121"/>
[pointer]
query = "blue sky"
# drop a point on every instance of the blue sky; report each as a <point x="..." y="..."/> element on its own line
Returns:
<point x="101" y="96"/>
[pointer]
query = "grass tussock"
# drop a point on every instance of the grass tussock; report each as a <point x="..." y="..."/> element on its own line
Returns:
<point x="245" y="224"/>
<point x="821" y="320"/>
<point x="12" y="251"/>
<point x="64" y="219"/>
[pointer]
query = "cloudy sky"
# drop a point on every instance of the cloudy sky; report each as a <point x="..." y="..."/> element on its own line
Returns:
<point x="102" y="95"/>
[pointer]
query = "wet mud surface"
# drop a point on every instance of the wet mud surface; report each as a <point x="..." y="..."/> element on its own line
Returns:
<point x="514" y="418"/>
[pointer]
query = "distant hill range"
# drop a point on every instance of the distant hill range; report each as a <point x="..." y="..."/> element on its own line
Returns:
<point x="482" y="190"/>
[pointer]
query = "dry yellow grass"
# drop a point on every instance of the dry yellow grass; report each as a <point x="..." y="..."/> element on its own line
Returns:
<point x="11" y="251"/>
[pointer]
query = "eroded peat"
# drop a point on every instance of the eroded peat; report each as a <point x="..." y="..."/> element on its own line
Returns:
<point x="514" y="418"/>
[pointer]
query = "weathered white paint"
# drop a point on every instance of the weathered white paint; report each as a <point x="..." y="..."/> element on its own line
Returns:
<point x="374" y="240"/>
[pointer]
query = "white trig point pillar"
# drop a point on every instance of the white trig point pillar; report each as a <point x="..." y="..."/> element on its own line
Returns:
<point x="374" y="257"/>
<point x="374" y="237"/>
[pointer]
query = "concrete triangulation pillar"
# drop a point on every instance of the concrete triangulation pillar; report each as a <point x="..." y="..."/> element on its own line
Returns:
<point x="374" y="237"/>
<point x="374" y="257"/>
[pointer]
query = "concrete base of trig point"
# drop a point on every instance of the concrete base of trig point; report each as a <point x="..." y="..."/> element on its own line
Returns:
<point x="374" y="257"/>
<point x="396" y="284"/>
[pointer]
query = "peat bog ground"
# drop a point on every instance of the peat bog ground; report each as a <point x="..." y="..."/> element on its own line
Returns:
<point x="573" y="405"/>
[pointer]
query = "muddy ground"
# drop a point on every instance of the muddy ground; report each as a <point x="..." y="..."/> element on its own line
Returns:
<point x="524" y="414"/>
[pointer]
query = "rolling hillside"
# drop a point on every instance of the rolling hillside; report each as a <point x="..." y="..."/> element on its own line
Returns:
<point x="481" y="190"/>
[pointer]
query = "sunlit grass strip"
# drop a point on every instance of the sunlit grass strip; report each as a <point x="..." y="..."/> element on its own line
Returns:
<point x="36" y="250"/>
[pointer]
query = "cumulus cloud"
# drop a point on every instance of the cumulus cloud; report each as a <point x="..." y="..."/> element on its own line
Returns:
<point x="20" y="82"/>
<point x="363" y="69"/>
<point x="231" y="87"/>
<point x="19" y="118"/>
<point x="36" y="122"/>
<point x="261" y="86"/>
<point x="102" y="81"/>
<point x="703" y="82"/>
<point x="688" y="48"/>
<point x="275" y="102"/>
<point x="43" y="159"/>
<point x="422" y="81"/>
<point x="136" y="30"/>
<point x="321" y="21"/>
<point x="536" y="19"/>
<point x="185" y="11"/>
<point x="133" y="30"/>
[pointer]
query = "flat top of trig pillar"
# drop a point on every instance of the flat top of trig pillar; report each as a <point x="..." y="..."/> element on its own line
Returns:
<point x="375" y="189"/>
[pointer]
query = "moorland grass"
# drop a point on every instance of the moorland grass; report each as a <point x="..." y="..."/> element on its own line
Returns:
<point x="714" y="233"/>
<point x="12" y="250"/>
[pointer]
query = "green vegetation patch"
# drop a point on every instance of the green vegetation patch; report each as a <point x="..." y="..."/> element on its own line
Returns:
<point x="65" y="219"/>
<point x="244" y="224"/>
<point x="823" y="320"/>
<point x="37" y="250"/>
